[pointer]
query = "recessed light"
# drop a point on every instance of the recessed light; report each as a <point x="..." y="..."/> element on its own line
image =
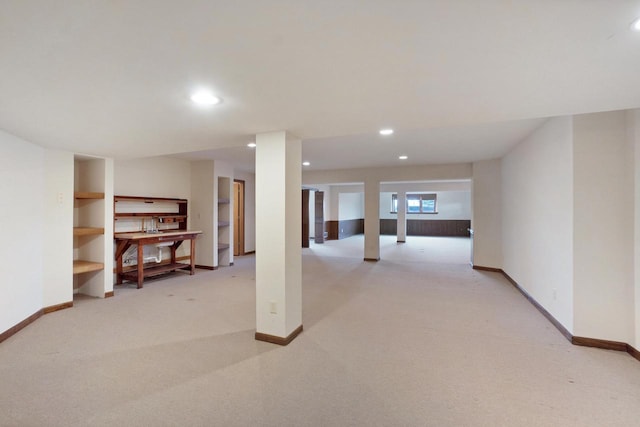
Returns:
<point x="403" y="157"/>
<point x="251" y="145"/>
<point x="635" y="25"/>
<point x="305" y="163"/>
<point x="386" y="132"/>
<point x="205" y="98"/>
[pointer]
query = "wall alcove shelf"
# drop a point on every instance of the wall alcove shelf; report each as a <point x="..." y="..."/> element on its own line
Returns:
<point x="80" y="265"/>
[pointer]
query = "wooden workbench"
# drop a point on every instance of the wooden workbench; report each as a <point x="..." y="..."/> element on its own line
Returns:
<point x="125" y="240"/>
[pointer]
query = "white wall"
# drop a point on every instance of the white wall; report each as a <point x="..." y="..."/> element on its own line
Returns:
<point x="153" y="177"/>
<point x="334" y="203"/>
<point x="537" y="217"/>
<point x="603" y="223"/>
<point x="58" y="234"/>
<point x="22" y="172"/>
<point x="450" y="205"/>
<point x="202" y="209"/>
<point x="350" y="206"/>
<point x="487" y="213"/>
<point x="448" y="172"/>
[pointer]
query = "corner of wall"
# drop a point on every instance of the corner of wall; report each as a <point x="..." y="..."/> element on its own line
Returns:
<point x="487" y="213"/>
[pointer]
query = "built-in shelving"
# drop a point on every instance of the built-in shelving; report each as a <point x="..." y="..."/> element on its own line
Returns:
<point x="91" y="249"/>
<point x="79" y="265"/>
<point x="224" y="216"/>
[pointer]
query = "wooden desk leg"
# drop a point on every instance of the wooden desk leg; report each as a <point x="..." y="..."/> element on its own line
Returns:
<point x="140" y="265"/>
<point x="192" y="255"/>
<point x="119" y="270"/>
<point x="173" y="253"/>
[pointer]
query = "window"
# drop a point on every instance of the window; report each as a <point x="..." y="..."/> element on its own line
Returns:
<point x="416" y="203"/>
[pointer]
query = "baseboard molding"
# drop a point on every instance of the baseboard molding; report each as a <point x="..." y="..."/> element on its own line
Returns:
<point x="206" y="267"/>
<point x="109" y="294"/>
<point x="57" y="307"/>
<point x="581" y="341"/>
<point x="372" y="259"/>
<point x="278" y="340"/>
<point x="564" y="331"/>
<point x="633" y="352"/>
<point x="15" y="329"/>
<point x="495" y="270"/>
<point x="594" y="342"/>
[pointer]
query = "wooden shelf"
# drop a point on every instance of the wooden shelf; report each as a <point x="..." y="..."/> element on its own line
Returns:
<point x="87" y="231"/>
<point x="88" y="195"/>
<point x="155" y="271"/>
<point x="222" y="246"/>
<point x="223" y="223"/>
<point x="148" y="199"/>
<point x="162" y="215"/>
<point x="80" y="266"/>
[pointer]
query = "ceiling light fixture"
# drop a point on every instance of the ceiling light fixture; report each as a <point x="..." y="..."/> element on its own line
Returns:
<point x="386" y="132"/>
<point x="251" y="145"/>
<point x="635" y="25"/>
<point x="205" y="98"/>
<point x="403" y="157"/>
<point x="305" y="163"/>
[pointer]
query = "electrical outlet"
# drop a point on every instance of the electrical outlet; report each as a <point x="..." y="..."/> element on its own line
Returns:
<point x="273" y="307"/>
<point x="60" y="198"/>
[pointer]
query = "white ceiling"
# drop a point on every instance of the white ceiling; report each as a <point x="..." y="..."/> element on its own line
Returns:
<point x="113" y="78"/>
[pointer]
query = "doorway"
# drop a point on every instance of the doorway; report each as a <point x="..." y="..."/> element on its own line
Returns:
<point x="238" y="217"/>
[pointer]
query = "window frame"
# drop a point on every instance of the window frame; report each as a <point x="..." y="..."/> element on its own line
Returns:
<point x="416" y="196"/>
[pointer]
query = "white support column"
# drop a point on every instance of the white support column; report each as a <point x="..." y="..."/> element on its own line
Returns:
<point x="402" y="217"/>
<point x="278" y="236"/>
<point x="633" y="132"/>
<point x="371" y="220"/>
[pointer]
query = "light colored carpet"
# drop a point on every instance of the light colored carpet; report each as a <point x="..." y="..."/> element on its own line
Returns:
<point x="401" y="342"/>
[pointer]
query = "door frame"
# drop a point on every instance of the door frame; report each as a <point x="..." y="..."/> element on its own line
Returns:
<point x="238" y="217"/>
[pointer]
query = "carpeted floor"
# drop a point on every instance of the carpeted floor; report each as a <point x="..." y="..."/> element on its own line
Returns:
<point x="416" y="339"/>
